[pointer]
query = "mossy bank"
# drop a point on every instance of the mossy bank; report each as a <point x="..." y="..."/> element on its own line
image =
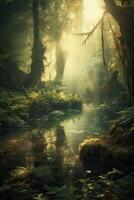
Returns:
<point x="16" y="108"/>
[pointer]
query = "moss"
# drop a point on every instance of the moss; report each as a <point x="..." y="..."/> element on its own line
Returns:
<point x="117" y="148"/>
<point x="105" y="152"/>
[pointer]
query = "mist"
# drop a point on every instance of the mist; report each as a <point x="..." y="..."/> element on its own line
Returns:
<point x="84" y="60"/>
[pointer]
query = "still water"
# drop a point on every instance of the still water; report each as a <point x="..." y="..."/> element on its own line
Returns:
<point x="52" y="143"/>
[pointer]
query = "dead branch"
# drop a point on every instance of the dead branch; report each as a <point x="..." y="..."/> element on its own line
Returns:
<point x="103" y="43"/>
<point x="88" y="34"/>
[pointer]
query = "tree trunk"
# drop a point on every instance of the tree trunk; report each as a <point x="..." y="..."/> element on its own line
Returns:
<point x="60" y="63"/>
<point x="125" y="18"/>
<point x="37" y="51"/>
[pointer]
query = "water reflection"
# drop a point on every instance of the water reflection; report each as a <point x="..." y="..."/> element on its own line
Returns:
<point x="60" y="136"/>
<point x="56" y="147"/>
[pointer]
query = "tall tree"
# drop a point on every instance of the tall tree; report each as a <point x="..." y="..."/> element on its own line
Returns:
<point x="38" y="49"/>
<point x="58" y="22"/>
<point x="125" y="18"/>
<point x="14" y="29"/>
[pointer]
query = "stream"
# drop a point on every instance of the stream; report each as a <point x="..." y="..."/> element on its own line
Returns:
<point x="50" y="144"/>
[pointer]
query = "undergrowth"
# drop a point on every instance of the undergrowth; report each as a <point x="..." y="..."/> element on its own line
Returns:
<point x="18" y="107"/>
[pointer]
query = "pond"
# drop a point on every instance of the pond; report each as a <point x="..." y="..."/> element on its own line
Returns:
<point x="50" y="144"/>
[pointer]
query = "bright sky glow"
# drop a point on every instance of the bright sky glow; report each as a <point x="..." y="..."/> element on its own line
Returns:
<point x="93" y="10"/>
<point x="82" y="60"/>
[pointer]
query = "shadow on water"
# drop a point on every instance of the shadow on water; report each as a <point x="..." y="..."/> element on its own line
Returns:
<point x="50" y="145"/>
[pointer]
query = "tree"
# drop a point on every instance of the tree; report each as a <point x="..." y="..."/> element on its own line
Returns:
<point x="57" y="22"/>
<point x="125" y="18"/>
<point x="14" y="29"/>
<point x="38" y="49"/>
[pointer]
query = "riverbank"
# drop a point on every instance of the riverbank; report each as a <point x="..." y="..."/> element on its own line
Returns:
<point x="116" y="150"/>
<point x="17" y="108"/>
<point x="42" y="162"/>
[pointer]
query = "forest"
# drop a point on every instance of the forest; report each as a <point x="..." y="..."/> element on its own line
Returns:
<point x="66" y="99"/>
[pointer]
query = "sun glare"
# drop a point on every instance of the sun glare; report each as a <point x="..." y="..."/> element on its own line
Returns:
<point x="92" y="10"/>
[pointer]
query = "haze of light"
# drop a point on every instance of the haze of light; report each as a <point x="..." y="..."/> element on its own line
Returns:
<point x="82" y="61"/>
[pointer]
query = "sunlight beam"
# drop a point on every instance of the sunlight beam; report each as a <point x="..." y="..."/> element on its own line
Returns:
<point x="93" y="10"/>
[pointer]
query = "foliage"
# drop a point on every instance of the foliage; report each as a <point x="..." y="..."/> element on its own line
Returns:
<point x="38" y="183"/>
<point x="113" y="185"/>
<point x="17" y="108"/>
<point x="39" y="173"/>
<point x="116" y="148"/>
<point x="59" y="17"/>
<point x="126" y="113"/>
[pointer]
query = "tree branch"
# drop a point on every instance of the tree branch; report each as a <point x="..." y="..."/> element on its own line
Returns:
<point x="88" y="34"/>
<point x="103" y="43"/>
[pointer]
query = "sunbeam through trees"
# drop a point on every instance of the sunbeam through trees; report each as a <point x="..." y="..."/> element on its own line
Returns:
<point x="66" y="99"/>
